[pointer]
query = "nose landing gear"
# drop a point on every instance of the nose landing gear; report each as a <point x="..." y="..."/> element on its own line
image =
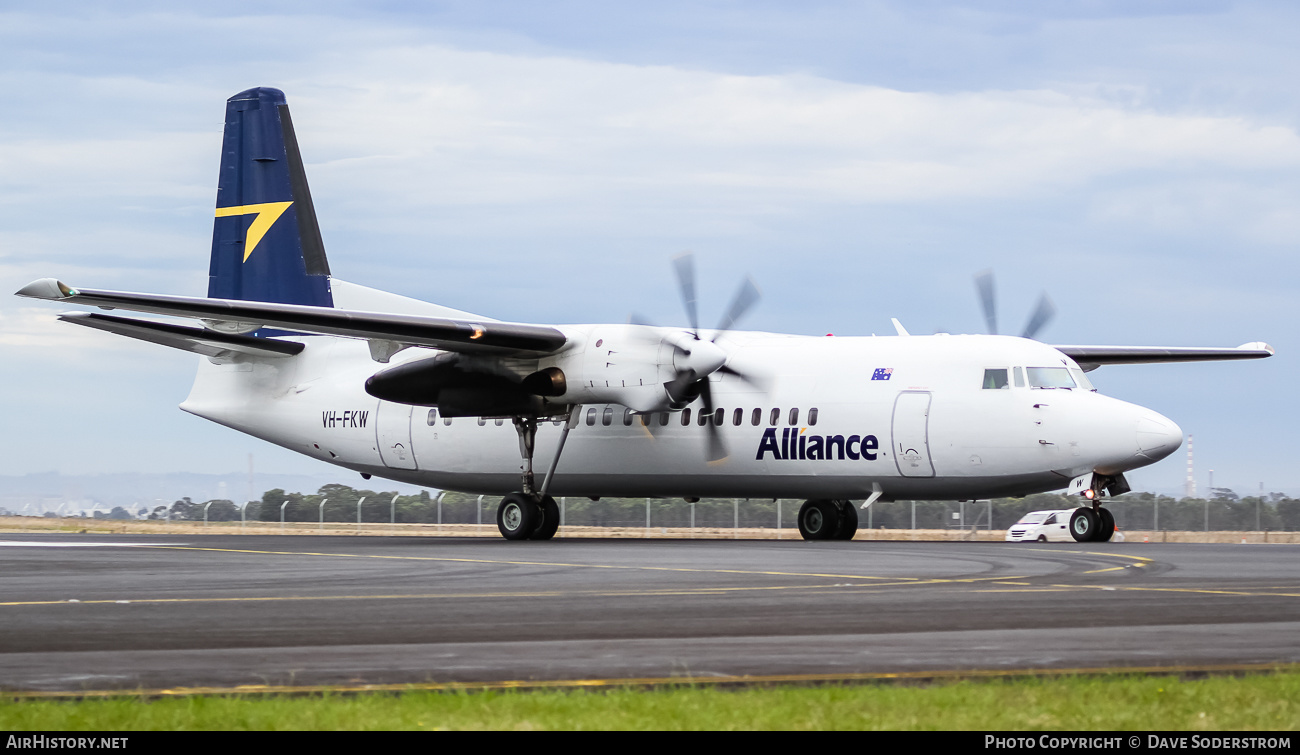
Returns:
<point x="1092" y="525"/>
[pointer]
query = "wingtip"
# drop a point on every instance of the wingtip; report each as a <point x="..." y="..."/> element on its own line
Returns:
<point x="1258" y="346"/>
<point x="46" y="288"/>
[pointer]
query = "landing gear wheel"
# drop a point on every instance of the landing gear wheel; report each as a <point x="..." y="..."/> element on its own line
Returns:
<point x="1106" y="526"/>
<point x="848" y="520"/>
<point x="518" y="516"/>
<point x="550" y="521"/>
<point x="819" y="520"/>
<point x="1084" y="524"/>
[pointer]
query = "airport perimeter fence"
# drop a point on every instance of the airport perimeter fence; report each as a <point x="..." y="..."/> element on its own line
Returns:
<point x="1133" y="511"/>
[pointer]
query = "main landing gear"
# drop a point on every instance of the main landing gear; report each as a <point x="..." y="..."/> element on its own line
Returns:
<point x="828" y="520"/>
<point x="1092" y="524"/>
<point x="528" y="517"/>
<point x="532" y="514"/>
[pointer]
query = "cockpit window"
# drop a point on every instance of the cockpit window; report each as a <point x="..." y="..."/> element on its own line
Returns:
<point x="995" y="379"/>
<point x="1019" y="373"/>
<point x="1081" y="379"/>
<point x="1049" y="377"/>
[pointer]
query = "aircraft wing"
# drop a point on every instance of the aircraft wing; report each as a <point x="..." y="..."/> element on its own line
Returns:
<point x="209" y="343"/>
<point x="1092" y="357"/>
<point x="245" y="316"/>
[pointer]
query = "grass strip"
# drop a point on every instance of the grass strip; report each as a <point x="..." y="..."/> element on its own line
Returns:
<point x="1108" y="702"/>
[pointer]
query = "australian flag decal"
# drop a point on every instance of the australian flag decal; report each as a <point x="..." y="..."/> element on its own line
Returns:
<point x="882" y="373"/>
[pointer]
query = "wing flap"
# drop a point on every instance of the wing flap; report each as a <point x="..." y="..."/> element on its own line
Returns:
<point x="198" y="340"/>
<point x="462" y="336"/>
<point x="1091" y="357"/>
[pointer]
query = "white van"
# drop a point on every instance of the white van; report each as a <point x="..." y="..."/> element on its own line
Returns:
<point x="1048" y="527"/>
<point x="1043" y="527"/>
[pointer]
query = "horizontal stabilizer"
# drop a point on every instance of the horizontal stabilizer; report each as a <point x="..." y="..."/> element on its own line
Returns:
<point x="246" y="316"/>
<point x="1092" y="357"/>
<point x="198" y="340"/>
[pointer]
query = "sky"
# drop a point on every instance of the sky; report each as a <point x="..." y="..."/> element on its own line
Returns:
<point x="543" y="162"/>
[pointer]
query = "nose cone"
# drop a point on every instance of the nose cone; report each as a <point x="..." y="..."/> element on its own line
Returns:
<point x="1157" y="436"/>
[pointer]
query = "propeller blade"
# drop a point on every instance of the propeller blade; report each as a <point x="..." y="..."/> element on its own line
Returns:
<point x="1042" y="315"/>
<point x="984" y="283"/>
<point x="636" y="318"/>
<point x="651" y="426"/>
<point x="746" y="297"/>
<point x="717" y="448"/>
<point x="684" y="264"/>
<point x="761" y="382"/>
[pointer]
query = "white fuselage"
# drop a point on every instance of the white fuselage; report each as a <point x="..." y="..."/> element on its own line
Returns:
<point x="910" y="414"/>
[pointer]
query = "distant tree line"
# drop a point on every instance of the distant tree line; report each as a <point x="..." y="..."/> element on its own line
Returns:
<point x="1225" y="510"/>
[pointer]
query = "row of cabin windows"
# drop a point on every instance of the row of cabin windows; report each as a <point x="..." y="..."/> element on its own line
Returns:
<point x="717" y="417"/>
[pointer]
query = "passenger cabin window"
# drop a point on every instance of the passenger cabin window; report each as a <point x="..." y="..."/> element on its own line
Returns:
<point x="794" y="416"/>
<point x="446" y="420"/>
<point x="686" y="418"/>
<point x="812" y="416"/>
<point x="482" y="421"/>
<point x="756" y="417"/>
<point x="776" y="417"/>
<point x="627" y="418"/>
<point x="433" y="417"/>
<point x="717" y="417"/>
<point x="663" y="419"/>
<point x="737" y="416"/>
<point x="500" y="422"/>
<point x="591" y="417"/>
<point x="607" y="416"/>
<point x="704" y="418"/>
<point x="995" y="379"/>
<point x="1049" y="377"/>
<point x="646" y="419"/>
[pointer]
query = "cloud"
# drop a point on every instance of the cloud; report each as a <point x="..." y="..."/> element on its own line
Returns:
<point x="435" y="127"/>
<point x="1266" y="215"/>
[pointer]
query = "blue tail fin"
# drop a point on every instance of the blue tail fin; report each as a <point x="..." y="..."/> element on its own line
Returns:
<point x="266" y="245"/>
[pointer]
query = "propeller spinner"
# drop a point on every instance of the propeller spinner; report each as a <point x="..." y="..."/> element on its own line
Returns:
<point x="694" y="358"/>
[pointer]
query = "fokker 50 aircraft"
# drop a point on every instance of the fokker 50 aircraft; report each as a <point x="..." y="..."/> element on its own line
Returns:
<point x="390" y="386"/>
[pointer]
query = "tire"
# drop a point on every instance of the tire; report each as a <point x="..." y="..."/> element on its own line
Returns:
<point x="848" y="521"/>
<point x="518" y="516"/>
<point x="819" y="520"/>
<point x="1084" y="524"/>
<point x="1106" y="526"/>
<point x="1042" y="538"/>
<point x="550" y="520"/>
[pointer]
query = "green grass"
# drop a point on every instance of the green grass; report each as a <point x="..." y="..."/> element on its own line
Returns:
<point x="1255" y="702"/>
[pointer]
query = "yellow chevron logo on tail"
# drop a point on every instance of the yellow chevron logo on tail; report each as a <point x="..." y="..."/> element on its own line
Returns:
<point x="267" y="213"/>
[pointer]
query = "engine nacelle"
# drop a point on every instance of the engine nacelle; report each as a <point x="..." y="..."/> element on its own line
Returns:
<point x="610" y="364"/>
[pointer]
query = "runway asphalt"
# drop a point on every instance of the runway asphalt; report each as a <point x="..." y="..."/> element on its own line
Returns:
<point x="125" y="612"/>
